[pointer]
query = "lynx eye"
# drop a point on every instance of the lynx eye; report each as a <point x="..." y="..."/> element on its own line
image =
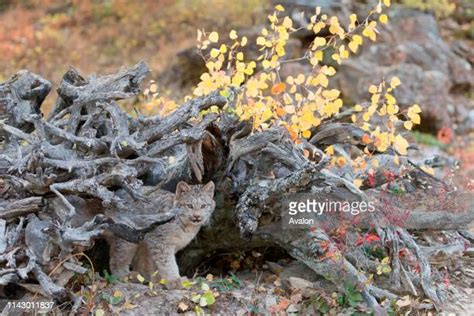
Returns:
<point x="189" y="205"/>
<point x="203" y="205"/>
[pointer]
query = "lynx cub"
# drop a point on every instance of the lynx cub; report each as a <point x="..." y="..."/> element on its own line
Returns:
<point x="158" y="249"/>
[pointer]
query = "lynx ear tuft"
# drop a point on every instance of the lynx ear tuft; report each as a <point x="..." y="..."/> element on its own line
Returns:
<point x="182" y="187"/>
<point x="209" y="188"/>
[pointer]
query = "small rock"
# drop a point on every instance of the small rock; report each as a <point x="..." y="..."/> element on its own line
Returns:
<point x="300" y="270"/>
<point x="299" y="283"/>
<point x="292" y="309"/>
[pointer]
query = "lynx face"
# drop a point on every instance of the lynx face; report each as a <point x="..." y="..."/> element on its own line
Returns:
<point x="196" y="202"/>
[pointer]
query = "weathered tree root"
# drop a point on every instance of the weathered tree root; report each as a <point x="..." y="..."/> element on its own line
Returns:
<point x="55" y="172"/>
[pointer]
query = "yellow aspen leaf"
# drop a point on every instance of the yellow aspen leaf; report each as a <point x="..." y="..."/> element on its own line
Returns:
<point x="280" y="8"/>
<point x="261" y="41"/>
<point x="336" y="57"/>
<point x="280" y="50"/>
<point x="290" y="109"/>
<point x="278" y="88"/>
<point x="233" y="35"/>
<point x="353" y="19"/>
<point x="416" y="119"/>
<point x="395" y="82"/>
<point x="198" y="92"/>
<point x="373" y="89"/>
<point x="357" y="39"/>
<point x="153" y="88"/>
<point x="244" y="41"/>
<point x="214" y="37"/>
<point x="331" y="94"/>
<point x="330" y="108"/>
<point x="266" y="64"/>
<point x="343" y="52"/>
<point x="375" y="98"/>
<point x="306" y="134"/>
<point x="319" y="55"/>
<point x="366" y="116"/>
<point x="369" y="31"/>
<point x="140" y="278"/>
<point x="386" y="2"/>
<point x="223" y="48"/>
<point x="319" y="41"/>
<point x="320" y="79"/>
<point x="383" y="18"/>
<point x="215" y="52"/>
<point x="408" y="125"/>
<point x="329" y="150"/>
<point x="401" y="144"/>
<point x="330" y="71"/>
<point x="318" y="27"/>
<point x="413" y="113"/>
<point x="300" y="79"/>
<point x="392" y="109"/>
<point x="248" y="71"/>
<point x="240" y="56"/>
<point x="287" y="22"/>
<point x="353" y="46"/>
<point x="267" y="114"/>
<point x="390" y="99"/>
<point x="294" y="120"/>
<point x="353" y="118"/>
<point x="415" y="108"/>
<point x="358" y="108"/>
<point x="357" y="183"/>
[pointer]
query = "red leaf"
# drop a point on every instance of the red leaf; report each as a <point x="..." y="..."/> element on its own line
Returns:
<point x="371" y="237"/>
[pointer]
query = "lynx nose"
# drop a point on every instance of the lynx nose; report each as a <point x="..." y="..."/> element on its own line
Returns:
<point x="196" y="217"/>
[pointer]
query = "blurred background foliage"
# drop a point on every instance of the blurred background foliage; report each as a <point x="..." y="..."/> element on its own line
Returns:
<point x="99" y="36"/>
<point x="46" y="36"/>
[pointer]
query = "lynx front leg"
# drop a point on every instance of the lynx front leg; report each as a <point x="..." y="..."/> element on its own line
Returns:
<point x="121" y="255"/>
<point x="165" y="262"/>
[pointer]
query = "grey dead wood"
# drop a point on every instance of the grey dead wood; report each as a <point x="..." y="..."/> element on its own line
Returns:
<point x="67" y="180"/>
